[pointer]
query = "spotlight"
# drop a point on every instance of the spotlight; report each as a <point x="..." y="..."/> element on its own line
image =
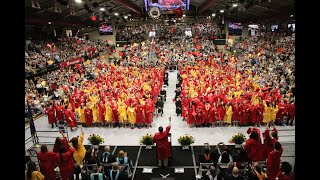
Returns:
<point x="234" y="5"/>
<point x="78" y="1"/>
<point x="102" y="9"/>
<point x="49" y="22"/>
<point x="184" y="15"/>
<point x="291" y="15"/>
<point x="126" y="17"/>
<point x="213" y="15"/>
<point x="221" y="11"/>
<point x="116" y="14"/>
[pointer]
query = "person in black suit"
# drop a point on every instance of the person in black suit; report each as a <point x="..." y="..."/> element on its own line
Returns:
<point x="178" y="106"/>
<point x="107" y="156"/>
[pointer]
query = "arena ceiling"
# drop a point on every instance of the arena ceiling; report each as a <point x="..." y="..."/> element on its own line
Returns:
<point x="246" y="11"/>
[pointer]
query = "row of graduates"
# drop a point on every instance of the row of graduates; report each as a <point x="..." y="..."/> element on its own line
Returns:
<point x="245" y="111"/>
<point x="270" y="151"/>
<point x="238" y="96"/>
<point x="119" y="95"/>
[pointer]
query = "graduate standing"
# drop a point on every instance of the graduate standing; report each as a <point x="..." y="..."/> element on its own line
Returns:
<point x="163" y="146"/>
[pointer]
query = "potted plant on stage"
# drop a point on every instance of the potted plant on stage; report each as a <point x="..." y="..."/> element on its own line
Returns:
<point x="95" y="140"/>
<point x="238" y="140"/>
<point x="147" y="140"/>
<point x="186" y="141"/>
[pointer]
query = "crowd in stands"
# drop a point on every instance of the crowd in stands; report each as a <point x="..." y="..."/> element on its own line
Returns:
<point x="43" y="56"/>
<point x="132" y="33"/>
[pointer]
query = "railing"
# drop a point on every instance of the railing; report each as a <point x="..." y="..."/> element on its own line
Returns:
<point x="47" y="136"/>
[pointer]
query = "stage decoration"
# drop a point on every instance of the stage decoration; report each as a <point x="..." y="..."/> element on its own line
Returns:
<point x="147" y="140"/>
<point x="154" y="12"/>
<point x="186" y="141"/>
<point x="95" y="140"/>
<point x="238" y="139"/>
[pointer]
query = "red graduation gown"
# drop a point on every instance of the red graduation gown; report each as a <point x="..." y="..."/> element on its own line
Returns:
<point x="51" y="116"/>
<point x="59" y="112"/>
<point x="88" y="116"/>
<point x="71" y="120"/>
<point x="254" y="150"/>
<point x="102" y="111"/>
<point x="64" y="143"/>
<point x="253" y="114"/>
<point x="140" y="113"/>
<point x="47" y="164"/>
<point x="66" y="165"/>
<point x="163" y="146"/>
<point x="273" y="164"/>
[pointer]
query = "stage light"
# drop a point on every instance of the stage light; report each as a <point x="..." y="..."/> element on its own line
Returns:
<point x="102" y="9"/>
<point x="126" y="17"/>
<point x="116" y="14"/>
<point x="291" y="15"/>
<point x="213" y="15"/>
<point x="184" y="15"/>
<point x="49" y="22"/>
<point x="234" y="5"/>
<point x="221" y="11"/>
<point x="78" y="1"/>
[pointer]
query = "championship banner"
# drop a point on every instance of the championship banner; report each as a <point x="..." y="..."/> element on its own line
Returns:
<point x="72" y="62"/>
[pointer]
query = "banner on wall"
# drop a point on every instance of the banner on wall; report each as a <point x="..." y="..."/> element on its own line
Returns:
<point x="72" y="62"/>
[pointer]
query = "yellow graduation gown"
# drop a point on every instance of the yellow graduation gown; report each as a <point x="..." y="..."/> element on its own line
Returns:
<point x="122" y="110"/>
<point x="95" y="113"/>
<point x="131" y="111"/>
<point x="228" y="115"/>
<point x="80" y="114"/>
<point x="108" y="115"/>
<point x="273" y="113"/>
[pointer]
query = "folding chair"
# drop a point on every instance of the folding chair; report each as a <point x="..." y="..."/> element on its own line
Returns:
<point x="222" y="167"/>
<point x="106" y="167"/>
<point x="126" y="169"/>
<point x="203" y="169"/>
<point x="243" y="168"/>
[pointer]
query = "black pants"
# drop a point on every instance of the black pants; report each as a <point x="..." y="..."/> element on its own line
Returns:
<point x="77" y="171"/>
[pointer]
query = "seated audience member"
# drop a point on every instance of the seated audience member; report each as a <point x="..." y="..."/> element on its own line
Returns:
<point x="123" y="159"/>
<point x="96" y="175"/>
<point x="225" y="156"/>
<point x="107" y="156"/>
<point x="116" y="173"/>
<point x="33" y="173"/>
<point x="242" y="158"/>
<point x="91" y="157"/>
<point x="212" y="174"/>
<point x="286" y="172"/>
<point x="206" y="156"/>
<point x="234" y="175"/>
<point x="256" y="172"/>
